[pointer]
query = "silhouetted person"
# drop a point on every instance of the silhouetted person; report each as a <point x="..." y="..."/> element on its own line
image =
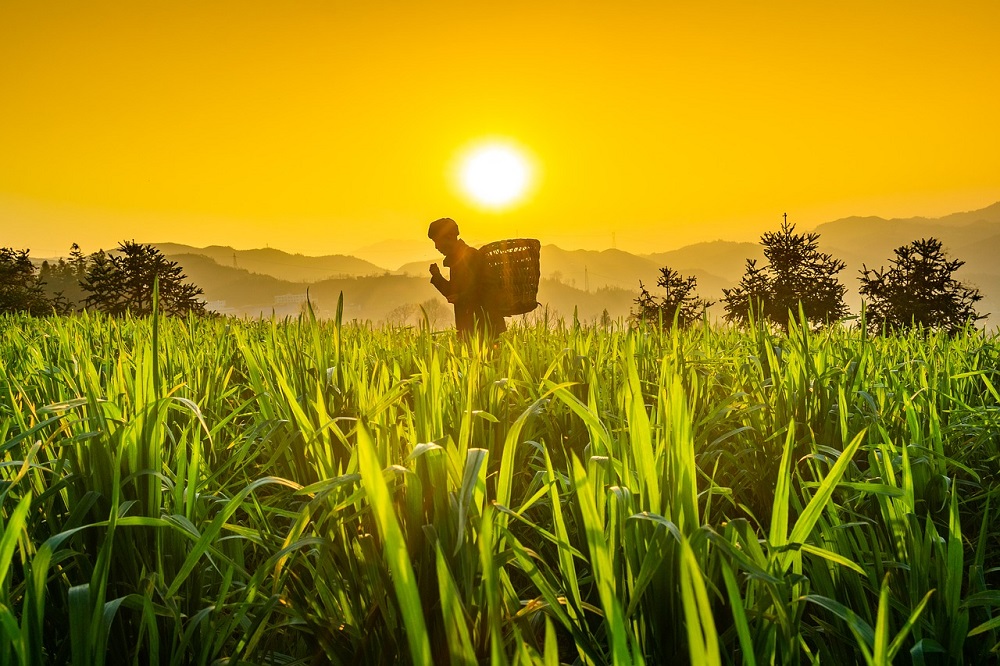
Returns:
<point x="468" y="288"/>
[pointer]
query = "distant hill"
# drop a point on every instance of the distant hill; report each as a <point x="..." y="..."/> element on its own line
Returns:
<point x="989" y="214"/>
<point x="591" y="269"/>
<point x="378" y="298"/>
<point x="724" y="259"/>
<point x="562" y="300"/>
<point x="871" y="240"/>
<point x="591" y="281"/>
<point x="279" y="264"/>
<point x="418" y="268"/>
<point x="244" y="292"/>
<point x="395" y="253"/>
<point x="981" y="255"/>
<point x="973" y="237"/>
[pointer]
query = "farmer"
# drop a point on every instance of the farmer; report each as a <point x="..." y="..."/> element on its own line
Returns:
<point x="468" y="287"/>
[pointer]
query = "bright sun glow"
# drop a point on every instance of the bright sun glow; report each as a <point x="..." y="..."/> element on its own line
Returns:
<point x="495" y="175"/>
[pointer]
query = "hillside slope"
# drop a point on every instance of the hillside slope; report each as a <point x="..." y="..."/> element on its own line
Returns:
<point x="591" y="281"/>
<point x="279" y="264"/>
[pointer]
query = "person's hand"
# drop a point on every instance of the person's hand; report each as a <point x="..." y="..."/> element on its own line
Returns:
<point x="435" y="271"/>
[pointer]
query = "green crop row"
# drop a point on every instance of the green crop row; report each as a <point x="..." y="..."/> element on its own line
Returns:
<point x="199" y="491"/>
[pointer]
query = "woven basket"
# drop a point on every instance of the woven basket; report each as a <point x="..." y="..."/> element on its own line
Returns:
<point x="513" y="267"/>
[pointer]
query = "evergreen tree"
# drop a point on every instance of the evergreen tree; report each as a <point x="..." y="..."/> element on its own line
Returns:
<point x="20" y="288"/>
<point x="123" y="282"/>
<point x="797" y="273"/>
<point x="680" y="301"/>
<point x="63" y="280"/>
<point x="918" y="289"/>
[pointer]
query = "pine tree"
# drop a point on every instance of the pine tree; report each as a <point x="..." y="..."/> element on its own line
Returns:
<point x="123" y="282"/>
<point x="797" y="274"/>
<point x="680" y="302"/>
<point x="918" y="289"/>
<point x="62" y="280"/>
<point x="20" y="288"/>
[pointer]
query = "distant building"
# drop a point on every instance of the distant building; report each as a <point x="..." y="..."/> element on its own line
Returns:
<point x="220" y="307"/>
<point x="289" y="299"/>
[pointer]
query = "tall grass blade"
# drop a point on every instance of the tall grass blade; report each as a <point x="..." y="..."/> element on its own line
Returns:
<point x="703" y="639"/>
<point x="394" y="549"/>
<point x="600" y="560"/>
<point x="453" y="614"/>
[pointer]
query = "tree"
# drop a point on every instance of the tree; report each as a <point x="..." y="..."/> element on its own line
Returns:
<point x="680" y="303"/>
<point x="63" y="279"/>
<point x="20" y="289"/>
<point x="797" y="273"/>
<point x="918" y="290"/>
<point x="401" y="314"/>
<point x="436" y="311"/>
<point x="123" y="282"/>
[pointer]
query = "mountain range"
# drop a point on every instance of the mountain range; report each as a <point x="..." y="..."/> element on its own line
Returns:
<point x="592" y="283"/>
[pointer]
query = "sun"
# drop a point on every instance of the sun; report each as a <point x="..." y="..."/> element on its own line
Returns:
<point x="495" y="174"/>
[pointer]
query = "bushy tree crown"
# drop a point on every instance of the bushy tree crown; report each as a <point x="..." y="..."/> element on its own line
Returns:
<point x="797" y="273"/>
<point x="20" y="288"/>
<point x="918" y="289"/>
<point x="680" y="303"/>
<point x="123" y="282"/>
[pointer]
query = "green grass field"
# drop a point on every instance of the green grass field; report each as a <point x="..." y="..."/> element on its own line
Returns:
<point x="209" y="491"/>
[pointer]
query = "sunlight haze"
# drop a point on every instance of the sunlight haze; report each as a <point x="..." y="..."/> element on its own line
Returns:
<point x="495" y="175"/>
<point x="322" y="127"/>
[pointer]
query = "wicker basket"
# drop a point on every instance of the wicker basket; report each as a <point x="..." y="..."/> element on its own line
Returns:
<point x="513" y="267"/>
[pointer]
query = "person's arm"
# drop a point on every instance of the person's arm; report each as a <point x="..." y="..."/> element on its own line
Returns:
<point x="440" y="282"/>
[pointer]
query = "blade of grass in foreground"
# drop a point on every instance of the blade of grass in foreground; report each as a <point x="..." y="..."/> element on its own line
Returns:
<point x="703" y="639"/>
<point x="403" y="579"/>
<point x="472" y="492"/>
<point x="885" y="651"/>
<point x="739" y="615"/>
<point x="491" y="586"/>
<point x="779" y="514"/>
<point x="958" y="617"/>
<point x="459" y="642"/>
<point x="215" y="527"/>
<point x="79" y="624"/>
<point x="600" y="560"/>
<point x="807" y="520"/>
<point x="862" y="631"/>
<point x="9" y="535"/>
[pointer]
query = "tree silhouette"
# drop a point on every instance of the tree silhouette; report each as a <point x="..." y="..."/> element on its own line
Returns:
<point x="20" y="289"/>
<point x="796" y="273"/>
<point x="680" y="302"/>
<point x="918" y="290"/>
<point x="436" y="311"/>
<point x="401" y="314"/>
<point x="62" y="280"/>
<point x="123" y="282"/>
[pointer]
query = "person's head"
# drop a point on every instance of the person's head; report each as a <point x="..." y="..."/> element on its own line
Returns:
<point x="444" y="233"/>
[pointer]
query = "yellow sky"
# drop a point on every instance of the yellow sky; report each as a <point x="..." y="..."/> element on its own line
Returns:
<point x="323" y="126"/>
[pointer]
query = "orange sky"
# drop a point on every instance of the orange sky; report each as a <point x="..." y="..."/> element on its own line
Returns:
<point x="324" y="126"/>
